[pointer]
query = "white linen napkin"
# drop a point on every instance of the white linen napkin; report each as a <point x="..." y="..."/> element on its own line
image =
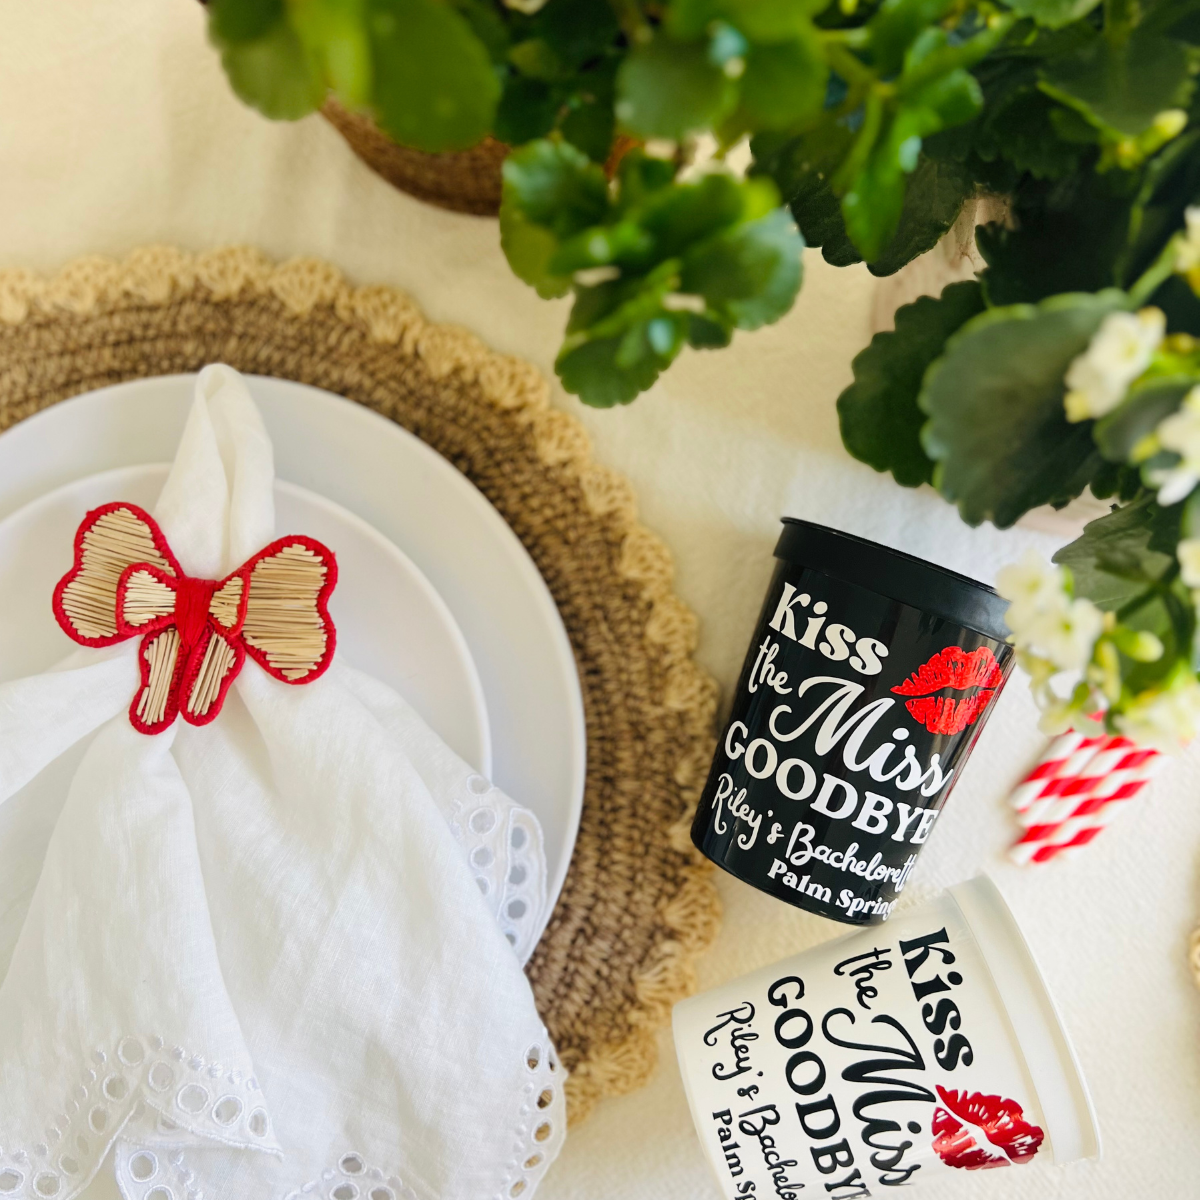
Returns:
<point x="271" y="956"/>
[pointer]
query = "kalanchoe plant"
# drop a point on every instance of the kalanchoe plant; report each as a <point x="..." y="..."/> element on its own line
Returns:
<point x="1068" y="364"/>
<point x="838" y="96"/>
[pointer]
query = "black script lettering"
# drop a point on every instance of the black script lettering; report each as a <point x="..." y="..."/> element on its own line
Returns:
<point x="755" y="1123"/>
<point x="946" y="1013"/>
<point x="920" y="947"/>
<point x="767" y="1115"/>
<point x="886" y="1088"/>
<point x="742" y="1015"/>
<point x="957" y="1049"/>
<point x="739" y="1019"/>
<point x="862" y="974"/>
<point x="950" y="1054"/>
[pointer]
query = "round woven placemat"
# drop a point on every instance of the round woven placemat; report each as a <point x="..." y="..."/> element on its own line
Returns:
<point x="638" y="904"/>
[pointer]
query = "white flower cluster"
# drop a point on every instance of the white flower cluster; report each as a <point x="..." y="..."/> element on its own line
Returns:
<point x="1166" y="718"/>
<point x="1187" y="249"/>
<point x="1188" y="553"/>
<point x="1120" y="350"/>
<point x="1179" y="432"/>
<point x="1069" y="649"/>
<point x="1043" y="617"/>
<point x="1053" y="633"/>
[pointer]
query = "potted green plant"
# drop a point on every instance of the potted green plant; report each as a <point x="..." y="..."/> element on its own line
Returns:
<point x="1067" y="364"/>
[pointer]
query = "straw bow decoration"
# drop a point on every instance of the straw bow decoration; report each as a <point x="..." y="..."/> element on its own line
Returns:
<point x="196" y="633"/>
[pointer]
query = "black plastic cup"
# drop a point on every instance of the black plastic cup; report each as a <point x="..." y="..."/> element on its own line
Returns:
<point x="868" y="680"/>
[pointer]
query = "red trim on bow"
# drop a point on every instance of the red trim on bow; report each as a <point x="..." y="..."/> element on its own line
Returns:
<point x="93" y="517"/>
<point x="191" y="617"/>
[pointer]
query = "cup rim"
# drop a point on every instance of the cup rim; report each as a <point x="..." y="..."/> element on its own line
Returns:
<point x="894" y="574"/>
<point x="1037" y="1026"/>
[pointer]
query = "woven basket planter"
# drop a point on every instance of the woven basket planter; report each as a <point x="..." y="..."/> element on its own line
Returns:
<point x="465" y="181"/>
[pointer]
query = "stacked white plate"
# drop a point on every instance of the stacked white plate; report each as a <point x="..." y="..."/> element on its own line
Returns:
<point x="436" y="596"/>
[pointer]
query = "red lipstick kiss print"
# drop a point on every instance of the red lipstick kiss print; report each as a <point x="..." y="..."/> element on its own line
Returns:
<point x="977" y="1132"/>
<point x="953" y="668"/>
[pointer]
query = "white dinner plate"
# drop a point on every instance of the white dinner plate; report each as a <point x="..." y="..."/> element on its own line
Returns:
<point x="389" y="619"/>
<point x="412" y="496"/>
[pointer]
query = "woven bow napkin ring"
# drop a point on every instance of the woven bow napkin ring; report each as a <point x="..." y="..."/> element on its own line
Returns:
<point x="196" y="633"/>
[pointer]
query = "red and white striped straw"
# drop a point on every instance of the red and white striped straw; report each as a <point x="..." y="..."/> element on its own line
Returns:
<point x="1078" y="787"/>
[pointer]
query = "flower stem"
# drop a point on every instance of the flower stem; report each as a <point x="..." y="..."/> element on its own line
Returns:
<point x="1155" y="275"/>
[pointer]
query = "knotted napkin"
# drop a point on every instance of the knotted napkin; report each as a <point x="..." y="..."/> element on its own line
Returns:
<point x="271" y="955"/>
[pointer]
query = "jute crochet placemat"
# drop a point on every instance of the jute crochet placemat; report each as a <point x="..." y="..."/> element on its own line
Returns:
<point x="639" y="904"/>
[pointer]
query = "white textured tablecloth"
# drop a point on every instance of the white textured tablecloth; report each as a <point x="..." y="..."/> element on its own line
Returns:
<point x="117" y="129"/>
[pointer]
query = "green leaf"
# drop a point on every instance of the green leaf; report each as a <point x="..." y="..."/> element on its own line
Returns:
<point x="624" y="243"/>
<point x="1122" y="87"/>
<point x="335" y="31"/>
<point x="485" y="22"/>
<point x="874" y="197"/>
<point x="801" y="168"/>
<point x="682" y="215"/>
<point x="669" y="89"/>
<point x="750" y="274"/>
<point x="872" y="204"/>
<point x="880" y="419"/>
<point x="594" y="304"/>
<point x="952" y="98"/>
<point x="1139" y="414"/>
<point x="591" y="372"/>
<point x="1170" y="185"/>
<point x="784" y="84"/>
<point x="1180" y="304"/>
<point x="1023" y="131"/>
<point x="435" y="88"/>
<point x="529" y="249"/>
<point x="536" y="59"/>
<point x="1053" y="14"/>
<point x="551" y="193"/>
<point x="276" y="74"/>
<point x="708" y="332"/>
<point x="243" y="20"/>
<point x="761" y="21"/>
<point x="578" y="30"/>
<point x="1116" y="557"/>
<point x="896" y="25"/>
<point x="620" y="337"/>
<point x="553" y="184"/>
<point x="995" y="402"/>
<point x="1016" y="127"/>
<point x="933" y="198"/>
<point x="1179" y="19"/>
<point x="639" y="177"/>
<point x="590" y="127"/>
<point x="527" y="110"/>
<point x="689" y="20"/>
<point x="935" y="60"/>
<point x="1040" y="254"/>
<point x="719" y="239"/>
<point x="1116" y="481"/>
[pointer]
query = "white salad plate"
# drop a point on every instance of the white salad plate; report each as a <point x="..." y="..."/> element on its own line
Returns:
<point x="389" y="619"/>
<point x="412" y="497"/>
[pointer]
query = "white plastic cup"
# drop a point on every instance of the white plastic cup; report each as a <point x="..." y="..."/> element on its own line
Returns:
<point x="920" y="1048"/>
